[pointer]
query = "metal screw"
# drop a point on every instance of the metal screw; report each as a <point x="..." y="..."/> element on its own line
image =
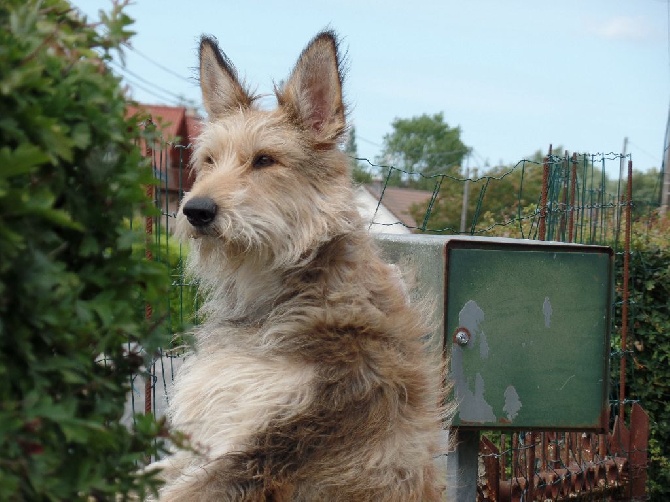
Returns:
<point x="462" y="337"/>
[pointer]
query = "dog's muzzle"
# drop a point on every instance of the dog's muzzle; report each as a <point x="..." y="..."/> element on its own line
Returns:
<point x="200" y="211"/>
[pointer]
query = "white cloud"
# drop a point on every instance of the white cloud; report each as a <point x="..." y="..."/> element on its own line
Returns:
<point x="624" y="28"/>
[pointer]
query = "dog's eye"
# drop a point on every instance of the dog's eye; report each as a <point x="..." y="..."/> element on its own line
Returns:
<point x="209" y="160"/>
<point x="263" y="160"/>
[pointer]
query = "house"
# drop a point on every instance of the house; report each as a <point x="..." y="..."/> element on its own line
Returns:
<point x="393" y="214"/>
<point x="179" y="126"/>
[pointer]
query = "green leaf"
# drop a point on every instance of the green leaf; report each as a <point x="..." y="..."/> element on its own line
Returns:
<point x="21" y="160"/>
<point x="81" y="135"/>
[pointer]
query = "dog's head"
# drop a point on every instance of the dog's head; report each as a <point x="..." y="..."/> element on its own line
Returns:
<point x="271" y="185"/>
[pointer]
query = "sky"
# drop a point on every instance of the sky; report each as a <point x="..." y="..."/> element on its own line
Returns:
<point x="514" y="75"/>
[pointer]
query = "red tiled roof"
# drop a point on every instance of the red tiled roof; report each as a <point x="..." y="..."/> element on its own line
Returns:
<point x="176" y="121"/>
<point x="400" y="201"/>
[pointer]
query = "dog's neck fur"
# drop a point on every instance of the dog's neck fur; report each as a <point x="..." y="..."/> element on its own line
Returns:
<point x="246" y="291"/>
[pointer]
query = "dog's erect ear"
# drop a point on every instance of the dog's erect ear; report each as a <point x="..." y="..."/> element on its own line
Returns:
<point x="313" y="92"/>
<point x="221" y="88"/>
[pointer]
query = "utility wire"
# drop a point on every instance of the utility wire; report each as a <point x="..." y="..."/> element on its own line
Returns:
<point x="364" y="140"/>
<point x="153" y="92"/>
<point x="650" y="155"/>
<point x="127" y="72"/>
<point x="162" y="67"/>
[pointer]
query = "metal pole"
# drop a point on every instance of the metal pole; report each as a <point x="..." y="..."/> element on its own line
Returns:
<point x="573" y="187"/>
<point x="665" y="187"/>
<point x="622" y="161"/>
<point x="626" y="291"/>
<point x="530" y="466"/>
<point x="465" y="463"/>
<point x="466" y="193"/>
<point x="542" y="228"/>
<point x="148" y="311"/>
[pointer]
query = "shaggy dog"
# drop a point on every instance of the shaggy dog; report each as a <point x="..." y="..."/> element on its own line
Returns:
<point x="310" y="379"/>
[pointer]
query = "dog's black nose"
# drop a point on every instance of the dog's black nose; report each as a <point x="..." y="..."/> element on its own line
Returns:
<point x="200" y="211"/>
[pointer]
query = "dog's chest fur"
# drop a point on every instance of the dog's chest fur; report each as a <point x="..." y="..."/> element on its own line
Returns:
<point x="224" y="394"/>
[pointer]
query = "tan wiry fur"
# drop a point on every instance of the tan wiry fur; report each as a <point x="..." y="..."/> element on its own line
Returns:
<point x="310" y="380"/>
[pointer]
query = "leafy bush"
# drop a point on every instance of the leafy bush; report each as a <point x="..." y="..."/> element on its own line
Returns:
<point x="648" y="367"/>
<point x="72" y="291"/>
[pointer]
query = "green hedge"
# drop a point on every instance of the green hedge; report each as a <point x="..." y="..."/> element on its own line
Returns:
<point x="648" y="364"/>
<point x="72" y="291"/>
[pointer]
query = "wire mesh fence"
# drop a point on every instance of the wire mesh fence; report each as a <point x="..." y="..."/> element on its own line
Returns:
<point x="570" y="198"/>
<point x="567" y="198"/>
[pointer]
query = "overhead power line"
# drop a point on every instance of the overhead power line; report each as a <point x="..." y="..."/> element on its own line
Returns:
<point x="648" y="154"/>
<point x="125" y="71"/>
<point x="364" y="140"/>
<point x="162" y="67"/>
<point x="153" y="92"/>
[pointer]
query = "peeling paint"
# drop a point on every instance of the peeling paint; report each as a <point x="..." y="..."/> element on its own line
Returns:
<point x="483" y="346"/>
<point x="547" y="311"/>
<point x="473" y="406"/>
<point x="512" y="403"/>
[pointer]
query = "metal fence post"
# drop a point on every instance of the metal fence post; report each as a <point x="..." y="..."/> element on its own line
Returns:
<point x="462" y="467"/>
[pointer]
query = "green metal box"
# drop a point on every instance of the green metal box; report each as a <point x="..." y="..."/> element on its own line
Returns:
<point x="525" y="325"/>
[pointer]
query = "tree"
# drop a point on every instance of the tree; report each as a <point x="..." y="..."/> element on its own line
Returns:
<point x="646" y="191"/>
<point x="424" y="145"/>
<point x="73" y="277"/>
<point x="358" y="172"/>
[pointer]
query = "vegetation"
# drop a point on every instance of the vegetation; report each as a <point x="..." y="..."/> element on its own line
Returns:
<point x="507" y="195"/>
<point x="646" y="192"/>
<point x="648" y="378"/>
<point x="181" y="303"/>
<point x="72" y="290"/>
<point x="424" y="145"/>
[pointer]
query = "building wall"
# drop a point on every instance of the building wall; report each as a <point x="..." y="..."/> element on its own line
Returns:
<point x="380" y="220"/>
